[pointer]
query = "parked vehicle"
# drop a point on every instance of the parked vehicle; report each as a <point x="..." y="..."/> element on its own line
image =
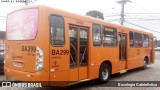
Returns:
<point x="157" y="49"/>
<point x="2" y="50"/>
<point x="1" y="61"/>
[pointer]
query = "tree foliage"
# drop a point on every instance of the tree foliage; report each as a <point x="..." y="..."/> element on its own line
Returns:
<point x="96" y="14"/>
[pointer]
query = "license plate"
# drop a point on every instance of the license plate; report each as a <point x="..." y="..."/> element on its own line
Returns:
<point x="18" y="64"/>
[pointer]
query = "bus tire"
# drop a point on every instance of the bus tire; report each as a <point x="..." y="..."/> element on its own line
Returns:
<point x="104" y="73"/>
<point x="144" y="64"/>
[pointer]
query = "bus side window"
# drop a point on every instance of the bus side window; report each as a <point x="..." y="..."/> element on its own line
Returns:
<point x="57" y="30"/>
<point x="145" y="40"/>
<point x="137" y="39"/>
<point x="109" y="36"/>
<point x="131" y="40"/>
<point x="96" y="35"/>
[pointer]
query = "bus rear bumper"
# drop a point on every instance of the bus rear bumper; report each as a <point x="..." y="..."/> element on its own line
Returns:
<point x="25" y="76"/>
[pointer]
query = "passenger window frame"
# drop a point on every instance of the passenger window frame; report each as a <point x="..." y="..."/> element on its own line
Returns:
<point x="135" y="39"/>
<point x="132" y="39"/>
<point x="116" y="36"/>
<point x="52" y="25"/>
<point x="93" y="35"/>
<point x="143" y="35"/>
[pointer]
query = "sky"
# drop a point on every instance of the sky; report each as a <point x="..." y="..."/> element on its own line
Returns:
<point x="134" y="11"/>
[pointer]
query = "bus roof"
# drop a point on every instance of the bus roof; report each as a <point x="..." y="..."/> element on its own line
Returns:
<point x="84" y="18"/>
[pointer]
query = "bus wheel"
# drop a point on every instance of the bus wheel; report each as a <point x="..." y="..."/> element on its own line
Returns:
<point x="144" y="65"/>
<point x="104" y="73"/>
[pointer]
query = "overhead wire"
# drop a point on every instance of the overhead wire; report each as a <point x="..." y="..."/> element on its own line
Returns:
<point x="141" y="9"/>
<point x="142" y="27"/>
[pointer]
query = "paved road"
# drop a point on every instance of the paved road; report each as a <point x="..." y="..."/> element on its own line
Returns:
<point x="152" y="73"/>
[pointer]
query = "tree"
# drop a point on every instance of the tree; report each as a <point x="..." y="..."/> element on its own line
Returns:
<point x="96" y="14"/>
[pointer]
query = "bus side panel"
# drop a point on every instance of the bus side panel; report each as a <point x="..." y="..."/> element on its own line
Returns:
<point x="59" y="60"/>
<point x="94" y="62"/>
<point x="145" y="53"/>
<point x="43" y="40"/>
<point x="141" y="57"/>
<point x="101" y="54"/>
<point x="134" y="58"/>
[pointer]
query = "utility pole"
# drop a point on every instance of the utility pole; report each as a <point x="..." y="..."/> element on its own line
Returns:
<point x="122" y="2"/>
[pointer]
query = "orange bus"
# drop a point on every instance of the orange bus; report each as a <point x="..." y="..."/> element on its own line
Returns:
<point x="46" y="44"/>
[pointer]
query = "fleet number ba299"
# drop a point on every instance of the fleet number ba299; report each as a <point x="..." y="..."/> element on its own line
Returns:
<point x="60" y="52"/>
<point x="29" y="48"/>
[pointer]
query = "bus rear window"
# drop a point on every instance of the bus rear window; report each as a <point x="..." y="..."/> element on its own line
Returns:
<point x="22" y="25"/>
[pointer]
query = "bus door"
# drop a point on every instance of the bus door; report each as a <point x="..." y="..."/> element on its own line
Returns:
<point x="122" y="37"/>
<point x="151" y="46"/>
<point x="78" y="53"/>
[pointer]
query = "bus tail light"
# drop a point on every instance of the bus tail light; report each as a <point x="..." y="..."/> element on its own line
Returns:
<point x="39" y="59"/>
